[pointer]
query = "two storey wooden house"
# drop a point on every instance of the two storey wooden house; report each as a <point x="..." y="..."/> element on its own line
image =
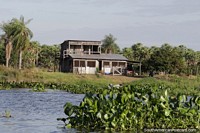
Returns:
<point x="85" y="57"/>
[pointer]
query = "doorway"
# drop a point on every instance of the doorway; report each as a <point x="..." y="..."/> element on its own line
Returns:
<point x="100" y="65"/>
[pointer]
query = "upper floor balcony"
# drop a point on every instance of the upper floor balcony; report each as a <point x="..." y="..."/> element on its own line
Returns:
<point x="80" y="47"/>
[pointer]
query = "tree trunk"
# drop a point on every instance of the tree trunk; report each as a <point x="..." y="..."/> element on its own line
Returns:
<point x="106" y="51"/>
<point x="20" y="59"/>
<point x="8" y="52"/>
<point x="7" y="60"/>
<point x="110" y="51"/>
<point x="36" y="62"/>
<point x="140" y="71"/>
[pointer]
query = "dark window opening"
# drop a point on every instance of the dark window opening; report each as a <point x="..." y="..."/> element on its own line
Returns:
<point x="91" y="63"/>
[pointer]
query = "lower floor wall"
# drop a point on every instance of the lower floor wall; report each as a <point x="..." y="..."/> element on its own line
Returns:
<point x="82" y="66"/>
<point x="84" y="70"/>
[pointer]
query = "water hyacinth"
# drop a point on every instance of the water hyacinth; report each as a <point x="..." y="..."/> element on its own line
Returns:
<point x="134" y="109"/>
<point x="40" y="87"/>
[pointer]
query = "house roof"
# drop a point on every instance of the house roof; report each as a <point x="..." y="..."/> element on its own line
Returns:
<point x="81" y="41"/>
<point x="134" y="62"/>
<point x="100" y="57"/>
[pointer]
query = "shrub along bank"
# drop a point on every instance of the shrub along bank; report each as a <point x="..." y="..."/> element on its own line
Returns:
<point x="177" y="86"/>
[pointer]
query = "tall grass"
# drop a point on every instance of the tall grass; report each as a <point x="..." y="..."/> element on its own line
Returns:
<point x="39" y="75"/>
<point x="175" y="84"/>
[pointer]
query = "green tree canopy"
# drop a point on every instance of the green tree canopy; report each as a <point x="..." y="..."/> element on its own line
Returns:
<point x="17" y="35"/>
<point x="128" y="53"/>
<point x="168" y="59"/>
<point x="47" y="56"/>
<point x="30" y="56"/>
<point x="22" y="36"/>
<point x="2" y="53"/>
<point x="109" y="45"/>
<point x="140" y="52"/>
<point x="7" y="38"/>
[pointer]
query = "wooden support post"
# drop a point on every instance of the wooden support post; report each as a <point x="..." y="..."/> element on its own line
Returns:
<point x="92" y="50"/>
<point x="81" y="51"/>
<point x="89" y="50"/>
<point x="85" y="65"/>
<point x="73" y="65"/>
<point x="113" y="71"/>
<point x="102" y="67"/>
<point x="140" y="68"/>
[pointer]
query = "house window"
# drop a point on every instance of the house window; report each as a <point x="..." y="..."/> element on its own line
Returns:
<point x="91" y="64"/>
<point x="122" y="64"/>
<point x="114" y="64"/>
<point x="76" y="63"/>
<point x="82" y="63"/>
<point x="106" y="64"/>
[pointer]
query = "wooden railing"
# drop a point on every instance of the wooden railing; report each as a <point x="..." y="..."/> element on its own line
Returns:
<point x="117" y="70"/>
<point x="67" y="52"/>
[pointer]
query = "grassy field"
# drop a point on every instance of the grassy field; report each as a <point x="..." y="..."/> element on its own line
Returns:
<point x="37" y="75"/>
<point x="176" y="84"/>
<point x="189" y="85"/>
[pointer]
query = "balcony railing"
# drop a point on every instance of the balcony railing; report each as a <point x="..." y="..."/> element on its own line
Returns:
<point x="67" y="52"/>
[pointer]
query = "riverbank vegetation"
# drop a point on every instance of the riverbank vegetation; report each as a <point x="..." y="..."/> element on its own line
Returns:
<point x="135" y="108"/>
<point x="41" y="75"/>
<point x="31" y="78"/>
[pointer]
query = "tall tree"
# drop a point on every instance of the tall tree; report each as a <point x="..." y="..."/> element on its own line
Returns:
<point x="22" y="36"/>
<point x="198" y="62"/>
<point x="168" y="59"/>
<point x="128" y="53"/>
<point x="8" y="29"/>
<point x="47" y="56"/>
<point x="2" y="53"/>
<point x="140" y="52"/>
<point x="109" y="45"/>
<point x="191" y="58"/>
<point x="30" y="56"/>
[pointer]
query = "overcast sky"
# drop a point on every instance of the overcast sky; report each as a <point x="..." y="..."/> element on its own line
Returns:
<point x="151" y="22"/>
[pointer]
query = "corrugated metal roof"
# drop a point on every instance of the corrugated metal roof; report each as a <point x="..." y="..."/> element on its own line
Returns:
<point x="99" y="56"/>
<point x="81" y="41"/>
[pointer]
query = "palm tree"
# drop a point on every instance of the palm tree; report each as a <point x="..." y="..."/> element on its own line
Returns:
<point x="109" y="45"/>
<point x="22" y="36"/>
<point x="7" y="37"/>
<point x="36" y="49"/>
<point x="140" y="52"/>
<point x="30" y="56"/>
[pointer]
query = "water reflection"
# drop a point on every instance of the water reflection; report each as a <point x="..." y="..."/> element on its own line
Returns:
<point x="34" y="112"/>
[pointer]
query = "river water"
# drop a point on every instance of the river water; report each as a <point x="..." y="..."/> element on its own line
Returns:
<point x="34" y="112"/>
